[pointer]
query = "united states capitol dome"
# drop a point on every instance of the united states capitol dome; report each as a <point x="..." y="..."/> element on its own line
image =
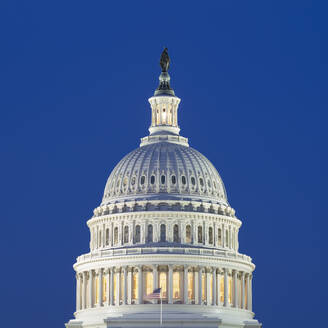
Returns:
<point x="165" y="170"/>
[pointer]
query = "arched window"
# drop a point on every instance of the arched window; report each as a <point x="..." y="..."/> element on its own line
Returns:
<point x="126" y="235"/>
<point x="193" y="181"/>
<point x="152" y="179"/>
<point x="176" y="233"/>
<point x="188" y="234"/>
<point x="142" y="180"/>
<point x="173" y="179"/>
<point x="220" y="236"/>
<point x="107" y="237"/>
<point x="163" y="179"/>
<point x="163" y="232"/>
<point x="115" y="235"/>
<point x="150" y="234"/>
<point x="183" y="180"/>
<point x="200" y="234"/>
<point x="210" y="235"/>
<point x="227" y="238"/>
<point x="137" y="234"/>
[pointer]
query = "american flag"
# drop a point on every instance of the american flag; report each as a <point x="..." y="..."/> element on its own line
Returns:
<point x="156" y="294"/>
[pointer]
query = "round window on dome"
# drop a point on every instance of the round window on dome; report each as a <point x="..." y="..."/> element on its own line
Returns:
<point x="173" y="179"/>
<point x="201" y="181"/>
<point x="193" y="181"/>
<point x="183" y="180"/>
<point x="142" y="180"/>
<point x="163" y="179"/>
<point x="152" y="179"/>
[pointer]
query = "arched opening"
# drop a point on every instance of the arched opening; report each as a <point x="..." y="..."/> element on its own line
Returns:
<point x="163" y="233"/>
<point x="126" y="235"/>
<point x="176" y="233"/>
<point x="220" y="236"/>
<point x="200" y="234"/>
<point x="107" y="237"/>
<point x="115" y="235"/>
<point x="227" y="238"/>
<point x="188" y="234"/>
<point x="150" y="234"/>
<point x="137" y="234"/>
<point x="210" y="235"/>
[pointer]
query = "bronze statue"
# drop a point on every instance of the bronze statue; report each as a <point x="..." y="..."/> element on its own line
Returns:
<point x="165" y="60"/>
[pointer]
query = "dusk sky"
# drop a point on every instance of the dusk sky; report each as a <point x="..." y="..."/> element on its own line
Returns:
<point x="75" y="78"/>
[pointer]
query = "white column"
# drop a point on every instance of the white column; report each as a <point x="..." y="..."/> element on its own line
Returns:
<point x="78" y="292"/>
<point x="200" y="285"/>
<point x="226" y="300"/>
<point x="140" y="286"/>
<point x="185" y="285"/>
<point x="125" y="290"/>
<point x="214" y="300"/>
<point x="235" y="289"/>
<point x="100" y="287"/>
<point x="118" y="286"/>
<point x="170" y="291"/>
<point x="84" y="286"/>
<point x="218" y="286"/>
<point x="208" y="287"/>
<point x="90" y="288"/>
<point x="242" y="290"/>
<point x="249" y="298"/>
<point x="129" y="285"/>
<point x="111" y="285"/>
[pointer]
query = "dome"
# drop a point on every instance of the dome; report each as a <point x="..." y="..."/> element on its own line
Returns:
<point x="165" y="171"/>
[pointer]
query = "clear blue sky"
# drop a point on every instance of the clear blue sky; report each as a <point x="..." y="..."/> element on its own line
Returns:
<point x="75" y="77"/>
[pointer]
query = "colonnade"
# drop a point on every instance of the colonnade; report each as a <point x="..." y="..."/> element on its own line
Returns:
<point x="126" y="285"/>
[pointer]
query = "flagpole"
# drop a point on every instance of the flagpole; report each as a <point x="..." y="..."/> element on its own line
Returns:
<point x="161" y="318"/>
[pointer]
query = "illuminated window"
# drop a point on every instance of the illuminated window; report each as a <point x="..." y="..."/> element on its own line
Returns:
<point x="203" y="286"/>
<point x="105" y="287"/>
<point x="115" y="235"/>
<point x="126" y="235"/>
<point x="149" y="283"/>
<point x="176" y="233"/>
<point x="191" y="294"/>
<point x="163" y="283"/>
<point x="150" y="234"/>
<point x="210" y="235"/>
<point x="137" y="234"/>
<point x="176" y="285"/>
<point x="200" y="234"/>
<point x="188" y="234"/>
<point x="135" y="285"/>
<point x="163" y="232"/>
<point x="96" y="286"/>
<point x="230" y="289"/>
<point x="121" y="286"/>
<point x="107" y="237"/>
<point x="219" y="236"/>
<point x="221" y="284"/>
<point x="114" y="287"/>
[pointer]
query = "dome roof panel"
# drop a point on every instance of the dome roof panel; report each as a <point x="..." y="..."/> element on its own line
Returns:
<point x="164" y="171"/>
